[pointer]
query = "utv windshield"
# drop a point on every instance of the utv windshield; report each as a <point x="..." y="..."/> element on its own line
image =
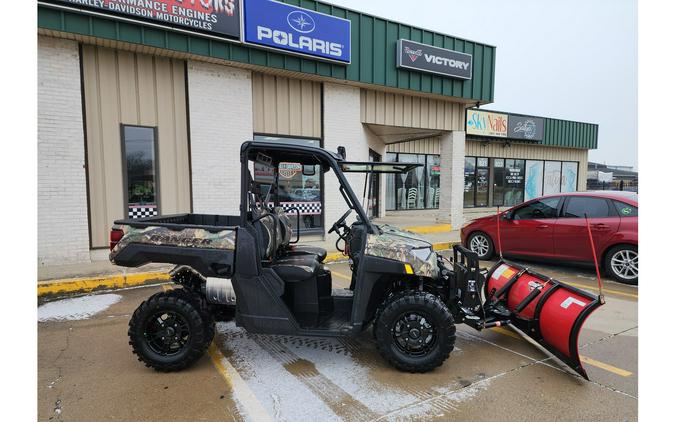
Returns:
<point x="377" y="167"/>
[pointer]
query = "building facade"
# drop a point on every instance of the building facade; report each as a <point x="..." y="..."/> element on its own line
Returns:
<point x="142" y="108"/>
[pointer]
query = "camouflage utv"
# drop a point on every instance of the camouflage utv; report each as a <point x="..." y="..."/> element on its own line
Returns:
<point x="251" y="267"/>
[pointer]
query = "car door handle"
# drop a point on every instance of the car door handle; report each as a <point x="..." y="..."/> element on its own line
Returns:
<point x="542" y="226"/>
<point x="600" y="226"/>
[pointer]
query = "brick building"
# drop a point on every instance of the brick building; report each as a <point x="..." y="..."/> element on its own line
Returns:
<point x="142" y="109"/>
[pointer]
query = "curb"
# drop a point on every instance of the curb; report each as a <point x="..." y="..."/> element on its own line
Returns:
<point x="118" y="281"/>
<point x="435" y="228"/>
<point x="86" y="285"/>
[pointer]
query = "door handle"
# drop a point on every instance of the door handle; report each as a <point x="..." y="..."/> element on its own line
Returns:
<point x="600" y="226"/>
<point x="542" y="226"/>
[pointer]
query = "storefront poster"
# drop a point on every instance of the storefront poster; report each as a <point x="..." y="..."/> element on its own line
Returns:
<point x="525" y="127"/>
<point x="533" y="179"/>
<point x="216" y="17"/>
<point x="551" y="177"/>
<point x="427" y="58"/>
<point x="282" y="26"/>
<point x="514" y="176"/>
<point x="486" y="123"/>
<point x="569" y="176"/>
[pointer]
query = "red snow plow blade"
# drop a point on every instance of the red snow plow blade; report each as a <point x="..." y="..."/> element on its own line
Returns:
<point x="548" y="311"/>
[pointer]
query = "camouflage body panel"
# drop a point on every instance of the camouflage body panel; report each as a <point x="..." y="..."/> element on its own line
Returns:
<point x="405" y="247"/>
<point x="162" y="236"/>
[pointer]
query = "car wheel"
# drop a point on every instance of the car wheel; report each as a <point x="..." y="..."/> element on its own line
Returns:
<point x="621" y="263"/>
<point x="482" y="245"/>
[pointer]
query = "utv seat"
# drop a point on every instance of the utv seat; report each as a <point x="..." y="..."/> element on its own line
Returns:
<point x="294" y="269"/>
<point x="287" y="249"/>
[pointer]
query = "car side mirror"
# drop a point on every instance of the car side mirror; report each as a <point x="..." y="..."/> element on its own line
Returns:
<point x="507" y="215"/>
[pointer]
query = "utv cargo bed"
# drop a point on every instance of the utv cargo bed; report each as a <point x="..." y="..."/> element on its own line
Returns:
<point x="202" y="241"/>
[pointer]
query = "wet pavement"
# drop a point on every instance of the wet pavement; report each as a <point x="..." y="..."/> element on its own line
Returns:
<point x="86" y="370"/>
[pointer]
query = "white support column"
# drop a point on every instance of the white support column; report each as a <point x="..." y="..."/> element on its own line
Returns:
<point x="63" y="229"/>
<point x="221" y="118"/>
<point x="343" y="127"/>
<point x="452" y="179"/>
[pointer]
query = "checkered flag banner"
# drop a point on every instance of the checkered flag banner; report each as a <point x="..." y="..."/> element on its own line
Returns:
<point x="306" y="208"/>
<point x="142" y="210"/>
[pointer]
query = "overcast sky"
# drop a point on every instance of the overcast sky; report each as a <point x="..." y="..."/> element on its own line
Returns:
<point x="571" y="59"/>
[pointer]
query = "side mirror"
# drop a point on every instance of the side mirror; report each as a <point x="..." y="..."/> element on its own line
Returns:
<point x="508" y="215"/>
<point x="308" y="170"/>
<point x="342" y="152"/>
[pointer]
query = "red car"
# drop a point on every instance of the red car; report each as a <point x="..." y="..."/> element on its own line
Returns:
<point x="553" y="227"/>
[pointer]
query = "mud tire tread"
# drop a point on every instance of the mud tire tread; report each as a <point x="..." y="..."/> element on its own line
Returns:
<point x="436" y="309"/>
<point x="201" y="335"/>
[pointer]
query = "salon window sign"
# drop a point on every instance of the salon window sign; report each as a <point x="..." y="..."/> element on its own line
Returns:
<point x="527" y="128"/>
<point x="486" y="123"/>
<point x="427" y="58"/>
<point x="214" y="17"/>
<point x="271" y="24"/>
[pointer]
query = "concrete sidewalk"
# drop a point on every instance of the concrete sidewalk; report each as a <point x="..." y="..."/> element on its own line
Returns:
<point x="98" y="275"/>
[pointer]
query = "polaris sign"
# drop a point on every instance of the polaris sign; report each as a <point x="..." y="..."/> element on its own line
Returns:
<point x="281" y="26"/>
<point x="427" y="58"/>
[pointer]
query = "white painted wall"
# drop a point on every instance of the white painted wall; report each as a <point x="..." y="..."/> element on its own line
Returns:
<point x="221" y="118"/>
<point x="63" y="231"/>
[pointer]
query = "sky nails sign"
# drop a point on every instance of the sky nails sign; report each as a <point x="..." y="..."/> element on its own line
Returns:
<point x="427" y="58"/>
<point x="214" y="17"/>
<point x="486" y="123"/>
<point x="504" y="125"/>
<point x="285" y="27"/>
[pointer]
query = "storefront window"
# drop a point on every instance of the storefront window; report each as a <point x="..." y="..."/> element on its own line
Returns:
<point x="476" y="181"/>
<point x="433" y="181"/>
<point x="469" y="181"/>
<point x="141" y="171"/>
<point x="514" y="181"/>
<point x="509" y="180"/>
<point x="552" y="177"/>
<point x="296" y="188"/>
<point x="417" y="189"/>
<point x="569" y="176"/>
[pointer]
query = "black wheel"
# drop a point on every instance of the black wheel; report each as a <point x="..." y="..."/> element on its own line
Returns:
<point x="415" y="331"/>
<point x="168" y="332"/>
<point x="481" y="244"/>
<point x="621" y="263"/>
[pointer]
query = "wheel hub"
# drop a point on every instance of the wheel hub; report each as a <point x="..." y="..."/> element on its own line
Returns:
<point x="414" y="334"/>
<point x="167" y="333"/>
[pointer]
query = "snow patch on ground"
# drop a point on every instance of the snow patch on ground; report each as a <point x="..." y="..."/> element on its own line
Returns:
<point x="75" y="309"/>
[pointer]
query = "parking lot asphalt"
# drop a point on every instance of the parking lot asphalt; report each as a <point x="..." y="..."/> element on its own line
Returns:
<point x="86" y="370"/>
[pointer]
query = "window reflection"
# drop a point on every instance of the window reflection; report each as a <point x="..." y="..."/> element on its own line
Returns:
<point x="139" y="150"/>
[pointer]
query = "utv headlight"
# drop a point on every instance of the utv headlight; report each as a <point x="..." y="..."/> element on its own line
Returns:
<point x="422" y="253"/>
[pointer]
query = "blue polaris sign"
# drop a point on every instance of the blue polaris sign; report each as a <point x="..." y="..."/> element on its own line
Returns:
<point x="281" y="26"/>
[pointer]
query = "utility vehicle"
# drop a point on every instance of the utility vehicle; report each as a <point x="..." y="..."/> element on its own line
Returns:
<point x="250" y="267"/>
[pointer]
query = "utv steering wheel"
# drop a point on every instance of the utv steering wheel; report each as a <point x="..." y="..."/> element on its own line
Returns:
<point x="340" y="222"/>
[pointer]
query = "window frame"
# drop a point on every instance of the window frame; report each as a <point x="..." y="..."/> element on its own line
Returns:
<point x="314" y="230"/>
<point x="426" y="168"/>
<point x="492" y="172"/>
<point x="558" y="209"/>
<point x="125" y="179"/>
<point x="610" y="206"/>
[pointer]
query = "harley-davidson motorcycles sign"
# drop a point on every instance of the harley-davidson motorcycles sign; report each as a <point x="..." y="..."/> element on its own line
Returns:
<point x="427" y="58"/>
<point x="216" y="17"/>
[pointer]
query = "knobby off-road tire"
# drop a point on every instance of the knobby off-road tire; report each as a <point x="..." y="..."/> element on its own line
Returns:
<point x="415" y="331"/>
<point x="199" y="302"/>
<point x="169" y="332"/>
